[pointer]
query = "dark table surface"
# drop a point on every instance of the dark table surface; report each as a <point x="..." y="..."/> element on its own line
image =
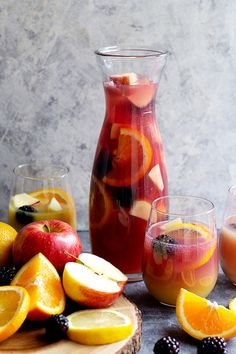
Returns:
<point x="159" y="320"/>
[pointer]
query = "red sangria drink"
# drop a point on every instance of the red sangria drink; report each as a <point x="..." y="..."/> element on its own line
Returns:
<point x="129" y="170"/>
<point x="180" y="251"/>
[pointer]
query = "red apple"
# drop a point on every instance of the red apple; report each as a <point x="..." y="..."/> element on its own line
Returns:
<point x="52" y="238"/>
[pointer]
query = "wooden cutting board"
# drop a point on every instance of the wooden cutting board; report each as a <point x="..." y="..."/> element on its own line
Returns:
<point x="30" y="339"/>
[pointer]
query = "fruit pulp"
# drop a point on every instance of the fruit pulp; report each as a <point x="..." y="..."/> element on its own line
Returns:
<point x="128" y="174"/>
<point x="190" y="262"/>
<point x="228" y="248"/>
<point x="64" y="210"/>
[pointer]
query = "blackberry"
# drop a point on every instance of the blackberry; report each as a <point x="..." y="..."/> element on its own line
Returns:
<point x="164" y="244"/>
<point x="124" y="196"/>
<point x="212" y="345"/>
<point x="24" y="214"/>
<point x="56" y="327"/>
<point x="7" y="273"/>
<point x="166" y="345"/>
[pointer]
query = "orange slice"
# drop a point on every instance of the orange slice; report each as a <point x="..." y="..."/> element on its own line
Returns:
<point x="202" y="318"/>
<point x="198" y="252"/>
<point x="189" y="278"/>
<point x="99" y="197"/>
<point x="195" y="230"/>
<point x="15" y="303"/>
<point x="39" y="277"/>
<point x="65" y="210"/>
<point x="131" y="160"/>
<point x="45" y="195"/>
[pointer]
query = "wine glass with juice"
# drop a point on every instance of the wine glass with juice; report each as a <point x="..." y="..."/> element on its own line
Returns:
<point x="41" y="192"/>
<point x="180" y="249"/>
<point x="228" y="237"/>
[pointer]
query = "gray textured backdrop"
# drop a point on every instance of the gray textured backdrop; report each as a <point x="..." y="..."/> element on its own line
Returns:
<point x="51" y="98"/>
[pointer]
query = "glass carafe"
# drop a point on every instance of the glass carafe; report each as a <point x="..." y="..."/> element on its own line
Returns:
<point x="129" y="170"/>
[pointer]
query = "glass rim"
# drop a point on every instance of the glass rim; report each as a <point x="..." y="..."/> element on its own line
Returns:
<point x="18" y="171"/>
<point x="186" y="215"/>
<point x="130" y="52"/>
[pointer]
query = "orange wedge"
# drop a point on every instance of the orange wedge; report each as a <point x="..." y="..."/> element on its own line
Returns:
<point x="39" y="277"/>
<point x="132" y="145"/>
<point x="15" y="303"/>
<point x="202" y="318"/>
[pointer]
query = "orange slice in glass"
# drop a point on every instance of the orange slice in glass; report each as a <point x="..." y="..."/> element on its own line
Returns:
<point x="202" y="318"/>
<point x="100" y="204"/>
<point x="132" y="159"/>
<point x="189" y="278"/>
<point x="15" y="303"/>
<point x="45" y="195"/>
<point x="67" y="212"/>
<point x="195" y="245"/>
<point x="39" y="277"/>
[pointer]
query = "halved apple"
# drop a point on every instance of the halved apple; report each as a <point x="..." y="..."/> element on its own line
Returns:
<point x="87" y="288"/>
<point x="104" y="268"/>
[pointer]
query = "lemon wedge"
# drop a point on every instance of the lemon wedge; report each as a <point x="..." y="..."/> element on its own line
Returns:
<point x="103" y="326"/>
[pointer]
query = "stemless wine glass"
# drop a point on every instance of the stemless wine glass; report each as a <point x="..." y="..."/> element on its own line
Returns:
<point x="228" y="237"/>
<point x="41" y="192"/>
<point x="180" y="249"/>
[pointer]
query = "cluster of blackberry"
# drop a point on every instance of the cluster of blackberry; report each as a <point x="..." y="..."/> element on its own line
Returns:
<point x="7" y="273"/>
<point x="56" y="327"/>
<point x="209" y="345"/>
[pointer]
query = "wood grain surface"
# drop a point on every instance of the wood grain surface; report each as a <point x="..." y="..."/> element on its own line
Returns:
<point x="31" y="339"/>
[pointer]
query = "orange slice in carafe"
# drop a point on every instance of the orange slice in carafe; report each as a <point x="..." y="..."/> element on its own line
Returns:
<point x="100" y="204"/>
<point x="132" y="159"/>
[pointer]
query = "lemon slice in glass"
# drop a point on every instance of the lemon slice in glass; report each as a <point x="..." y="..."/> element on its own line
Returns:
<point x="103" y="326"/>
